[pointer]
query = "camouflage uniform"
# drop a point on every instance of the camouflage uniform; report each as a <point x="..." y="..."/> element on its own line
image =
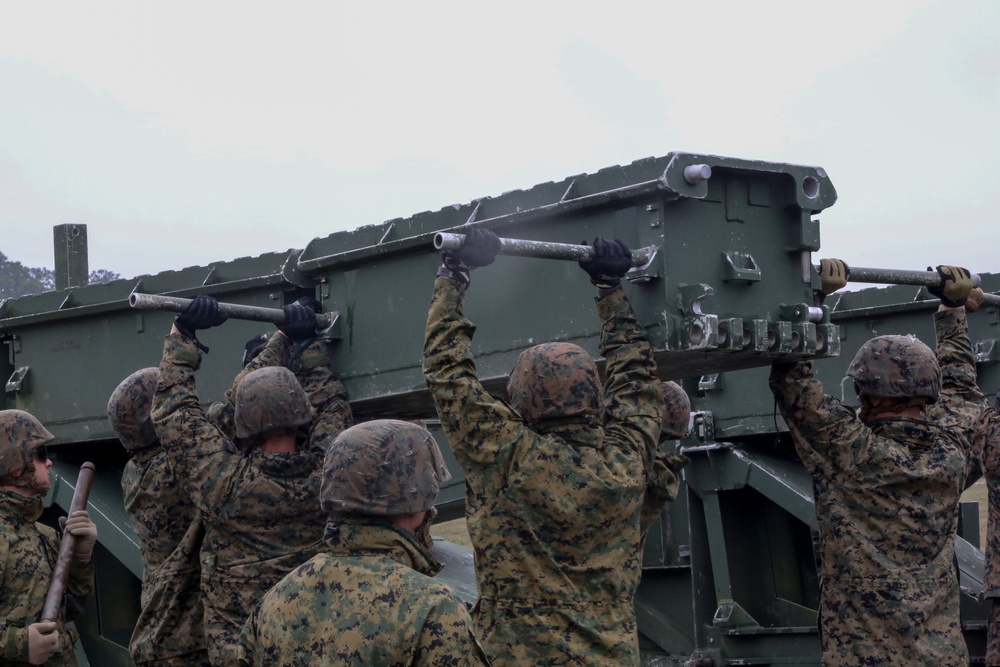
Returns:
<point x="28" y="552"/>
<point x="554" y="513"/>
<point x="261" y="511"/>
<point x="169" y="629"/>
<point x="886" y="502"/>
<point x="665" y="476"/>
<point x="311" y="365"/>
<point x="988" y="438"/>
<point x="368" y="599"/>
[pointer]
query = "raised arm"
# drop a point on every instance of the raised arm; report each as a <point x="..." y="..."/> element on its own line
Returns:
<point x="479" y="427"/>
<point x="828" y="436"/>
<point x="198" y="451"/>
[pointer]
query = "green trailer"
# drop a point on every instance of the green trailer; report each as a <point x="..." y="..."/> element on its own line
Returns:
<point x="723" y="284"/>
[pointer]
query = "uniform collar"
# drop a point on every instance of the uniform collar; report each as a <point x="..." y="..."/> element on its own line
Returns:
<point x="578" y="431"/>
<point x="350" y="537"/>
<point x="25" y="507"/>
<point x="290" y="464"/>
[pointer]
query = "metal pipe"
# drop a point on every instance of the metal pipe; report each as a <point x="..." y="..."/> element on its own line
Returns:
<point x="60" y="573"/>
<point x="234" y="310"/>
<point x="861" y="274"/>
<point x="538" y="249"/>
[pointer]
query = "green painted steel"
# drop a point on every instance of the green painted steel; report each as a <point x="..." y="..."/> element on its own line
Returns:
<point x="725" y="287"/>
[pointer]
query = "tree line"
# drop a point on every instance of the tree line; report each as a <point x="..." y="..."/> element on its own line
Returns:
<point x="17" y="279"/>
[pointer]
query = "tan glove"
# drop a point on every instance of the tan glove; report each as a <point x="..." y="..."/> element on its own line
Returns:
<point x="955" y="287"/>
<point x="833" y="275"/>
<point x="43" y="642"/>
<point x="976" y="299"/>
<point x="83" y="529"/>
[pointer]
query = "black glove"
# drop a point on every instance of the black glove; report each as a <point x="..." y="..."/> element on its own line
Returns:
<point x="201" y="313"/>
<point x="480" y="249"/>
<point x="310" y="302"/>
<point x="254" y="347"/>
<point x="612" y="260"/>
<point x="955" y="287"/>
<point x="300" y="320"/>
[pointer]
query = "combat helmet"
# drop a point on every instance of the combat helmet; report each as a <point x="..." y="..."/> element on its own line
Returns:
<point x="676" y="413"/>
<point x="384" y="467"/>
<point x="554" y="380"/>
<point x="896" y="367"/>
<point x="268" y="400"/>
<point x="20" y="435"/>
<point x="129" y="409"/>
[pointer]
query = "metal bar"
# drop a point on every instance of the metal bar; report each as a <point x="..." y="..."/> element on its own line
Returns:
<point x="861" y="274"/>
<point x="539" y="249"/>
<point x="60" y="573"/>
<point x="234" y="310"/>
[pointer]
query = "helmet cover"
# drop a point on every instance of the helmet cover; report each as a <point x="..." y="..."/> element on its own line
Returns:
<point x="676" y="413"/>
<point x="384" y="467"/>
<point x="130" y="406"/>
<point x="20" y="435"/>
<point x="896" y="367"/>
<point x="269" y="400"/>
<point x="554" y="380"/>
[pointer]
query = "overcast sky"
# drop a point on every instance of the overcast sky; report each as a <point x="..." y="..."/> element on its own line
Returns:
<point x="184" y="133"/>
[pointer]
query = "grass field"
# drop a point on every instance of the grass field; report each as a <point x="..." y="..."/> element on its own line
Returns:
<point x="453" y="531"/>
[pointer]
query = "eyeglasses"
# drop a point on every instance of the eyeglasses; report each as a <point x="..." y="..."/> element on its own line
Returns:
<point x="41" y="453"/>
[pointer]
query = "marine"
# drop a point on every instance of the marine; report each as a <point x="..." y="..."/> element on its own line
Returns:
<point x="986" y="448"/>
<point x="887" y="482"/>
<point x="556" y="479"/>
<point x="368" y="598"/>
<point x="29" y="550"/>
<point x="665" y="476"/>
<point x="169" y="630"/>
<point x="258" y="495"/>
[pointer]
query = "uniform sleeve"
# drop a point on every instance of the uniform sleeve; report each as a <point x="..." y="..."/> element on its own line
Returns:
<point x="663" y="486"/>
<point x="198" y="452"/>
<point x="633" y="398"/>
<point x="248" y="649"/>
<point x="481" y="428"/>
<point x="960" y="403"/>
<point x="80" y="584"/>
<point x="828" y="436"/>
<point x="327" y="394"/>
<point x="447" y="638"/>
<point x="14" y="634"/>
<point x="223" y="413"/>
<point x="276" y="352"/>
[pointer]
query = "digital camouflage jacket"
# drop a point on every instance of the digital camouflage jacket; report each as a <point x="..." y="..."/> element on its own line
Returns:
<point x="367" y="599"/>
<point x="261" y="511"/>
<point x="887" y="505"/>
<point x="170" y="536"/>
<point x="988" y="443"/>
<point x="28" y="553"/>
<point x="310" y="361"/>
<point x="553" y="513"/>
